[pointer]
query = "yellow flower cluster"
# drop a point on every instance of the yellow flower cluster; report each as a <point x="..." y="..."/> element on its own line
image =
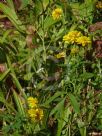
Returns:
<point x="83" y="40"/>
<point x="32" y="102"/>
<point x="71" y="37"/>
<point x="60" y="55"/>
<point x="35" y="113"/>
<point x="99" y="5"/>
<point x="76" y="37"/>
<point x="57" y="13"/>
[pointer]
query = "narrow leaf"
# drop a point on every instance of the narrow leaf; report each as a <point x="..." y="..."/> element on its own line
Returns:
<point x="57" y="94"/>
<point x="74" y="103"/>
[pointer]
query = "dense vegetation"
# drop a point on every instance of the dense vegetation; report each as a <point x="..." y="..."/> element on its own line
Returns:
<point x="50" y="67"/>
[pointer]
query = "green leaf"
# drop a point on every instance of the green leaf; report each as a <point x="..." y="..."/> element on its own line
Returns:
<point x="82" y="127"/>
<point x="60" y="126"/>
<point x="28" y="76"/>
<point x="18" y="85"/>
<point x="57" y="94"/>
<point x="86" y="75"/>
<point x="58" y="107"/>
<point x="48" y="22"/>
<point x="11" y="14"/>
<point x="38" y="7"/>
<point x="2" y="99"/>
<point x="18" y="103"/>
<point x="24" y="3"/>
<point x="99" y="127"/>
<point x="46" y="2"/>
<point x="74" y="103"/>
<point x="63" y="118"/>
<point x="2" y="77"/>
<point x="10" y="4"/>
<point x="5" y="35"/>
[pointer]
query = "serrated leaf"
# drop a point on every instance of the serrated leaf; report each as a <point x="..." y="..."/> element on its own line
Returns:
<point x="86" y="75"/>
<point x="48" y="22"/>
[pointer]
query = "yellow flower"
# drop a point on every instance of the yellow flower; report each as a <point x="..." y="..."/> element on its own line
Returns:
<point x="74" y="50"/>
<point x="83" y="40"/>
<point x="35" y="114"/>
<point x="31" y="113"/>
<point x="57" y="13"/>
<point x="39" y="114"/>
<point x="99" y="5"/>
<point x="71" y="37"/>
<point x="60" y="55"/>
<point x="32" y="102"/>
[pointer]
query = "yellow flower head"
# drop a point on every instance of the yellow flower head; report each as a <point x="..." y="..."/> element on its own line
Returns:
<point x="60" y="55"/>
<point x="32" y="102"/>
<point x="71" y="37"/>
<point x="35" y="114"/>
<point x="74" y="50"/>
<point x="31" y="113"/>
<point x="83" y="40"/>
<point x="57" y="13"/>
<point x="99" y="5"/>
<point x="39" y="114"/>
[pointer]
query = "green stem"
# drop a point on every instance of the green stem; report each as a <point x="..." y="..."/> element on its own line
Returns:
<point x="69" y="131"/>
<point x="99" y="67"/>
<point x="43" y="38"/>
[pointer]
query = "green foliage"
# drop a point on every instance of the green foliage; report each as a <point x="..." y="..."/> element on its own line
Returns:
<point x="11" y="14"/>
<point x="36" y="62"/>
